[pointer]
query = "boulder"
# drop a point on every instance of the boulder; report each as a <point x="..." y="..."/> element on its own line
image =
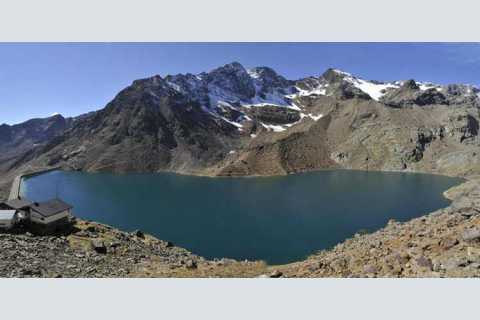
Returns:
<point x="82" y="233"/>
<point x="454" y="264"/>
<point x="424" y="262"/>
<point x="139" y="234"/>
<point x="92" y="229"/>
<point x="471" y="235"/>
<point x="98" y="246"/>
<point x="369" y="269"/>
<point x="276" y="274"/>
<point x="448" y="243"/>
<point x="191" y="264"/>
<point x="468" y="212"/>
<point x="115" y="244"/>
<point x="473" y="254"/>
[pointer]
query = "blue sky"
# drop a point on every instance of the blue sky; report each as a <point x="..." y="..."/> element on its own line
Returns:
<point x="37" y="80"/>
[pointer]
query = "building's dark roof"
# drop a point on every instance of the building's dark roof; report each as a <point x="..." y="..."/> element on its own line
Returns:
<point x="50" y="208"/>
<point x="18" y="203"/>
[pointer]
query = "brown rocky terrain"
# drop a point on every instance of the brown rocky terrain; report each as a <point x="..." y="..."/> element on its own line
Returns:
<point x="96" y="250"/>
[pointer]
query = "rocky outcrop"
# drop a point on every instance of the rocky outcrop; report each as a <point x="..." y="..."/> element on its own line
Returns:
<point x="338" y="84"/>
<point x="422" y="139"/>
<point x="410" y="94"/>
<point x="344" y="91"/>
<point x="463" y="127"/>
<point x="274" y="115"/>
<point x="459" y="94"/>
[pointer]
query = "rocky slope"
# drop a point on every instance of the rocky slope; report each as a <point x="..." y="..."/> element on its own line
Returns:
<point x="96" y="250"/>
<point x="17" y="139"/>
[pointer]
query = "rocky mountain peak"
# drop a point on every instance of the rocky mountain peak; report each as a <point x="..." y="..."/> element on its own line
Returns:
<point x="410" y="85"/>
<point x="344" y="85"/>
<point x="334" y="75"/>
<point x="155" y="85"/>
<point x="227" y="92"/>
<point x="233" y="66"/>
<point x="233" y="69"/>
<point x="233" y="78"/>
<point x="267" y="81"/>
<point x="410" y="93"/>
<point x="268" y="75"/>
<point x="461" y="89"/>
<point x="153" y="80"/>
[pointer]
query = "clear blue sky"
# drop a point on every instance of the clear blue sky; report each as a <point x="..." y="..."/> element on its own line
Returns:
<point x="37" y="80"/>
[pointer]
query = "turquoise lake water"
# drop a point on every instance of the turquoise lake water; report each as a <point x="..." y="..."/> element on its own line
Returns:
<point x="276" y="219"/>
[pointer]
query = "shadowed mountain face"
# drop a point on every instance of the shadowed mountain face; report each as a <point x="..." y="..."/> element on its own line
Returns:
<point x="234" y="121"/>
<point x="22" y="137"/>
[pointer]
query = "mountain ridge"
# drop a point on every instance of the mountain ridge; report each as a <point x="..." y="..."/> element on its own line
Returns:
<point x="238" y="121"/>
<point x="277" y="80"/>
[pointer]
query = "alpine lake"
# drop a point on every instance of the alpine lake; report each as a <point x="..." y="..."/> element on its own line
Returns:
<point x="276" y="219"/>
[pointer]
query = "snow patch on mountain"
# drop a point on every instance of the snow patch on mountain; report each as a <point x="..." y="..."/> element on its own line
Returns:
<point x="320" y="90"/>
<point x="343" y="73"/>
<point x="373" y="88"/>
<point x="428" y="85"/>
<point x="274" y="128"/>
<point x="284" y="127"/>
<point x="275" y="98"/>
<point x="310" y="87"/>
<point x="311" y="116"/>
<point x="253" y="73"/>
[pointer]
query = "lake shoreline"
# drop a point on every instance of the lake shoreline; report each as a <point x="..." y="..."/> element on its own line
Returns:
<point x="246" y="218"/>
<point x="462" y="196"/>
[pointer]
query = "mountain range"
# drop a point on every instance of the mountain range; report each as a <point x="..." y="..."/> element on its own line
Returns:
<point x="235" y="121"/>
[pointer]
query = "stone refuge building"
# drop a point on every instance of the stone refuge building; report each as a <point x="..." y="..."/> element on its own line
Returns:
<point x="39" y="217"/>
